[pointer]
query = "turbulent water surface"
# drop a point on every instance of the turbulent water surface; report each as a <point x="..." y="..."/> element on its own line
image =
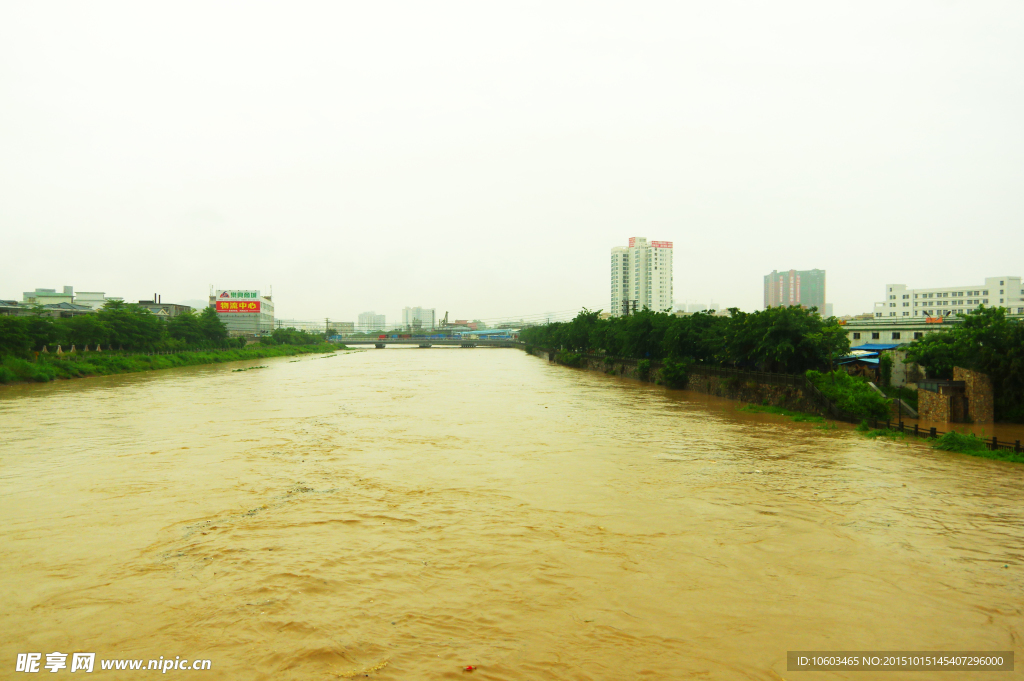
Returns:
<point x="403" y="513"/>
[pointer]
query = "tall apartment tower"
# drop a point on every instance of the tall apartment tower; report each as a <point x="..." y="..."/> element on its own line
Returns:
<point x="805" y="288"/>
<point x="641" y="276"/>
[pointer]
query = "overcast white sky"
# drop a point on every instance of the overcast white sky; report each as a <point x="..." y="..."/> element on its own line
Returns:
<point x="483" y="158"/>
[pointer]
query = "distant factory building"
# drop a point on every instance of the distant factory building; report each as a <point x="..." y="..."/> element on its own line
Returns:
<point x="803" y="288"/>
<point x="63" y="303"/>
<point x="163" y="310"/>
<point x="341" y="328"/>
<point x="244" y="312"/>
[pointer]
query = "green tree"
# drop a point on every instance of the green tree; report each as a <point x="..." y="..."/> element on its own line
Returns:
<point x="187" y="327"/>
<point x="212" y="327"/>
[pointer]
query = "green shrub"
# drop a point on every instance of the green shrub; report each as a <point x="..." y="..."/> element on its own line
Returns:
<point x="958" y="442"/>
<point x="851" y="394"/>
<point x="643" y="369"/>
<point x="570" y="359"/>
<point x="975" y="446"/>
<point x="675" y="374"/>
<point x="6" y="375"/>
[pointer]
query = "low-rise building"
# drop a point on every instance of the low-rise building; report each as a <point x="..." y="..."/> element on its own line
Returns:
<point x="162" y="309"/>
<point x="945" y="301"/>
<point x="897" y="331"/>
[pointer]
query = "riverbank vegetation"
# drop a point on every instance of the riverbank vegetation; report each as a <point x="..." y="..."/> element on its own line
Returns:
<point x="122" y="338"/>
<point x="79" y="365"/>
<point x="292" y="336"/>
<point x="850" y="394"/>
<point x="798" y="416"/>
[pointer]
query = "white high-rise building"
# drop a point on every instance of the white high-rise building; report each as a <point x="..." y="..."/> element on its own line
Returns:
<point x="946" y="300"/>
<point x="417" y="318"/>
<point x="641" y="276"/>
<point x="371" y="321"/>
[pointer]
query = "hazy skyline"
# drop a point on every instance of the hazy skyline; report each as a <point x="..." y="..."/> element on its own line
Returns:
<point x="484" y="159"/>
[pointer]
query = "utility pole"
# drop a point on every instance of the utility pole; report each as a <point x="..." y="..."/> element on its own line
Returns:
<point x="327" y="328"/>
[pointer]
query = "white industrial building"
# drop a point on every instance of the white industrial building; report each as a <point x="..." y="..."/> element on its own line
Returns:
<point x="371" y="321"/>
<point x="948" y="300"/>
<point x="244" y="312"/>
<point x="48" y="296"/>
<point x="641" y="276"/>
<point x="414" y="318"/>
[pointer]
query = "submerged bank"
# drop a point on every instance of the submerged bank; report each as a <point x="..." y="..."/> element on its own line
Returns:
<point x="14" y="369"/>
<point x="789" y="395"/>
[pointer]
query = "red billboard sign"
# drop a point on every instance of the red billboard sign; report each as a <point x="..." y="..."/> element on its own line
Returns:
<point x="661" y="244"/>
<point x="251" y="306"/>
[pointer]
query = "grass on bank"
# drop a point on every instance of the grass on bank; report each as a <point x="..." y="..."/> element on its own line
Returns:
<point x="798" y="416"/>
<point x="949" y="442"/>
<point x="103" y="364"/>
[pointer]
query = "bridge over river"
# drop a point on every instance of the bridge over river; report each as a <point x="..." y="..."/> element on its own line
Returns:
<point x="429" y="342"/>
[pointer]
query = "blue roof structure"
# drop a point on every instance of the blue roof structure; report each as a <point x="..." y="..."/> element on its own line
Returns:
<point x="868" y="360"/>
<point x="875" y="346"/>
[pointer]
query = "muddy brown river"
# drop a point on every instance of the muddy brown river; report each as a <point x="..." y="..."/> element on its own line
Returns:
<point x="404" y="513"/>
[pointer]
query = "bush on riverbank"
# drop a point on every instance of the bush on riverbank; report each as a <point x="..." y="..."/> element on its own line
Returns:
<point x="675" y="374"/>
<point x="975" y="446"/>
<point x="958" y="442"/>
<point x="101" y="364"/>
<point x="570" y="359"/>
<point x="850" y="394"/>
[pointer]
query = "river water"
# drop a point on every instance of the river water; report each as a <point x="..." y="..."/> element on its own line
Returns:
<point x="403" y="513"/>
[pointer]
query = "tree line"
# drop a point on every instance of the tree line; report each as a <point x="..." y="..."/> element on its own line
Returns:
<point x="779" y="339"/>
<point x="116" y="325"/>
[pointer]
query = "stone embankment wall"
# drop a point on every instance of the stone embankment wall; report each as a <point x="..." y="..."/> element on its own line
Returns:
<point x="613" y="366"/>
<point x="787" y="397"/>
<point x="978" y="388"/>
<point x="736" y="388"/>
